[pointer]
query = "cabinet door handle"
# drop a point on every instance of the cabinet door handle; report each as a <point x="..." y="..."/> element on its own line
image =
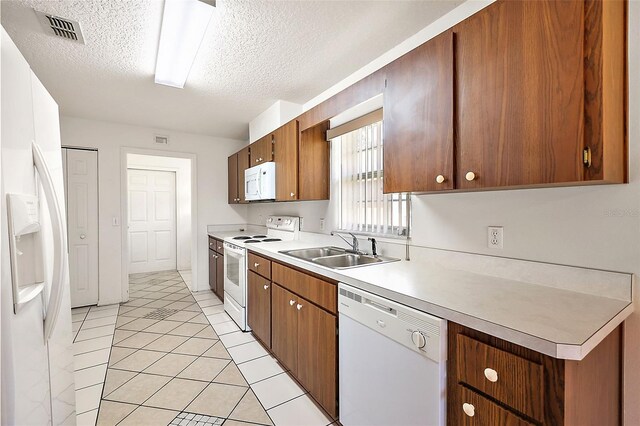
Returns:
<point x="266" y="287"/>
<point x="440" y="179"/>
<point x="214" y="256"/>
<point x="299" y="306"/>
<point x="469" y="409"/>
<point x="210" y="244"/>
<point x="219" y="248"/>
<point x="292" y="302"/>
<point x="255" y="265"/>
<point x="470" y="176"/>
<point x="491" y="375"/>
<point x="292" y="194"/>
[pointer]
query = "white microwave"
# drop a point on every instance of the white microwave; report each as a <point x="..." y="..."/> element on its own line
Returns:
<point x="260" y="182"/>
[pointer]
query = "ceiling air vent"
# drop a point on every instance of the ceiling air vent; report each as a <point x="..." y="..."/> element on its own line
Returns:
<point x="60" y="27"/>
<point x="162" y="140"/>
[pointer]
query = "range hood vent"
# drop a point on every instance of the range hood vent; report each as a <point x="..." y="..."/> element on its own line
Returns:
<point x="60" y="27"/>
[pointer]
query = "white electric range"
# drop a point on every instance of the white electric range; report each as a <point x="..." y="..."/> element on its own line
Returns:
<point x="279" y="228"/>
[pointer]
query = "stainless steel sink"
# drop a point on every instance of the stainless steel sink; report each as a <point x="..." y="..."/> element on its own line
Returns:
<point x="337" y="258"/>
<point x="312" y="253"/>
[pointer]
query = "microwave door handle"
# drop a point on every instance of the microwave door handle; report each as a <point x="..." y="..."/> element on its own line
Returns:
<point x="260" y="184"/>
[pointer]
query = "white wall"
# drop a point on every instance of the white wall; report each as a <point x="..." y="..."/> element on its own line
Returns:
<point x="182" y="168"/>
<point x="596" y="227"/>
<point x="278" y="114"/>
<point x="211" y="167"/>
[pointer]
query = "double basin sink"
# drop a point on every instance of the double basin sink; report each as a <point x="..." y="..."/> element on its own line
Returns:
<point x="337" y="258"/>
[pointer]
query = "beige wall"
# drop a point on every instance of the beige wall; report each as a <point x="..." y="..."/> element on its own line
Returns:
<point x="211" y="168"/>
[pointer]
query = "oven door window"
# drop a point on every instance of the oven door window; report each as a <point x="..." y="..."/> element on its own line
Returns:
<point x="233" y="267"/>
<point x="234" y="271"/>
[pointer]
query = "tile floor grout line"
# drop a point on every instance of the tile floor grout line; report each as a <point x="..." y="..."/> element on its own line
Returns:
<point x="190" y="307"/>
<point x="176" y="377"/>
<point x="79" y="328"/>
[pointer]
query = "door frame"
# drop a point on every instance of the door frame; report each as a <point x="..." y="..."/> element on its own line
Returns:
<point x="124" y="210"/>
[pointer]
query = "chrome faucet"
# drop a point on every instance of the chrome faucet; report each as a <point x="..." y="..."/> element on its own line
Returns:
<point x="354" y="244"/>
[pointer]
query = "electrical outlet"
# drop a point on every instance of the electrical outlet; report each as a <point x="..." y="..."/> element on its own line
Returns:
<point x="495" y="237"/>
<point x="322" y="224"/>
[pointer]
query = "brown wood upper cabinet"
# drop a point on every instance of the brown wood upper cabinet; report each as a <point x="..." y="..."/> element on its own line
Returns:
<point x="237" y="164"/>
<point x="540" y="94"/>
<point x="232" y="179"/>
<point x="262" y="150"/>
<point x="285" y="154"/>
<point x="418" y="119"/>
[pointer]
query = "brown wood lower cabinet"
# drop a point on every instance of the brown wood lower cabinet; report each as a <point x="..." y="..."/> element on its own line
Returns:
<point x="259" y="301"/>
<point x="317" y="349"/>
<point x="284" y="327"/>
<point x="216" y="267"/>
<point x="293" y="315"/>
<point x="213" y="270"/>
<point x="481" y="411"/>
<point x="494" y="382"/>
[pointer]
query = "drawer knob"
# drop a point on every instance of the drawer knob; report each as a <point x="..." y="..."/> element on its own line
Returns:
<point x="299" y="306"/>
<point x="266" y="287"/>
<point x="491" y="374"/>
<point x="469" y="409"/>
<point x="440" y="179"/>
<point x="255" y="265"/>
<point x="292" y="302"/>
<point x="470" y="176"/>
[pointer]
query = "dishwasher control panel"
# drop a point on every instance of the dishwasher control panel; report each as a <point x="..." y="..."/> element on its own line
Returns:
<point x="419" y="331"/>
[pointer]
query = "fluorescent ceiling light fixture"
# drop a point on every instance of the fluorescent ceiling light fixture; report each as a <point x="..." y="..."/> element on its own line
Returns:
<point x="184" y="23"/>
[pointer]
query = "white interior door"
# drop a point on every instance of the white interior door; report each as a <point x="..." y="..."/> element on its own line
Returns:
<point x="152" y="220"/>
<point x="81" y="174"/>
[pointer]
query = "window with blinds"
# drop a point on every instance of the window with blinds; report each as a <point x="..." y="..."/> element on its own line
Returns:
<point x="363" y="206"/>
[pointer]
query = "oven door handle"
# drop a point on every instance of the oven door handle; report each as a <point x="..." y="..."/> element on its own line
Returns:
<point x="230" y="249"/>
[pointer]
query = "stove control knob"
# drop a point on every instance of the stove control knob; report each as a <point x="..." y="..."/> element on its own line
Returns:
<point x="418" y="339"/>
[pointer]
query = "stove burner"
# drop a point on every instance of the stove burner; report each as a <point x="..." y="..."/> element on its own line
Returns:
<point x="268" y="240"/>
<point x="259" y="236"/>
<point x="252" y="241"/>
<point x="241" y="238"/>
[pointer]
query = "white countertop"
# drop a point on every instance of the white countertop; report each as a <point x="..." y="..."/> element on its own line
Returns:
<point x="554" y="321"/>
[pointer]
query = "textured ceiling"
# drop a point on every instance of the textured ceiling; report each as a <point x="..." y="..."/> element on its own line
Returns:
<point x="254" y="52"/>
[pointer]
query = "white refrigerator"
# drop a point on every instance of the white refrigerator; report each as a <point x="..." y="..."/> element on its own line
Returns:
<point x="36" y="354"/>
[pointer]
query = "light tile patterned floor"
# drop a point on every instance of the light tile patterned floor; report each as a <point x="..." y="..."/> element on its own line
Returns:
<point x="93" y="328"/>
<point x="177" y="358"/>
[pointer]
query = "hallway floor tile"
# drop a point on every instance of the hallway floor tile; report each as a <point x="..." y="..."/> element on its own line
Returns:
<point x="172" y="357"/>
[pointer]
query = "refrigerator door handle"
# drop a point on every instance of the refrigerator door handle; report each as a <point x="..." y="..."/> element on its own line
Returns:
<point x="55" y="300"/>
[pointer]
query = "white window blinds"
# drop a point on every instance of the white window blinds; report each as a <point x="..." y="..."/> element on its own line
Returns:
<point x="363" y="206"/>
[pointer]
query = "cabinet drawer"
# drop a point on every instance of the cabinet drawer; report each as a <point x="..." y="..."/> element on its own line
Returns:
<point x="479" y="411"/>
<point x="320" y="292"/>
<point x="260" y="265"/>
<point x="513" y="380"/>
<point x="216" y="245"/>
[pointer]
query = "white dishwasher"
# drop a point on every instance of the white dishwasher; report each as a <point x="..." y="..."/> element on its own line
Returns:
<point x="392" y="362"/>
